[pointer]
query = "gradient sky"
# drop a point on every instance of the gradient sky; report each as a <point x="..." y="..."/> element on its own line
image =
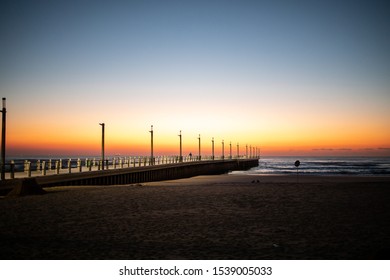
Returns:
<point x="290" y="77"/>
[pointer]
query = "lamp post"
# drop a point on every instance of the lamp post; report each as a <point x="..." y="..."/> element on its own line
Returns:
<point x="246" y="154"/>
<point x="212" y="148"/>
<point x="230" y="149"/>
<point x="223" y="150"/>
<point x="200" y="157"/>
<point x="4" y="112"/>
<point x="181" y="150"/>
<point x="151" y="145"/>
<point x="102" y="124"/>
<point x="238" y="150"/>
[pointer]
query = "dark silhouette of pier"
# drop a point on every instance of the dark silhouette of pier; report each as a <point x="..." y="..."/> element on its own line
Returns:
<point x="127" y="175"/>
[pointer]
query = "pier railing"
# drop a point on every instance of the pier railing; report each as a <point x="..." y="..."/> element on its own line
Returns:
<point x="22" y="168"/>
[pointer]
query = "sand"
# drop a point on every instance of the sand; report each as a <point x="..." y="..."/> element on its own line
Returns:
<point x="205" y="217"/>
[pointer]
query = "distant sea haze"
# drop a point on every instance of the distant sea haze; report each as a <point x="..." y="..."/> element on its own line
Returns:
<point x="365" y="166"/>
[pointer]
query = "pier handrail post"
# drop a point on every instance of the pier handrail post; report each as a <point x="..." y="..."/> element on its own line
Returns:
<point x="28" y="164"/>
<point x="57" y="167"/>
<point x="102" y="124"/>
<point x="79" y="165"/>
<point x="43" y="168"/>
<point x="3" y="128"/>
<point x="12" y="164"/>
<point x="39" y="165"/>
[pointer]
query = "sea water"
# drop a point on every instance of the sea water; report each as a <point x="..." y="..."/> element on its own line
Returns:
<point x="367" y="166"/>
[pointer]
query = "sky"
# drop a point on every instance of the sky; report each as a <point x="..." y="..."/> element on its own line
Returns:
<point x="288" y="77"/>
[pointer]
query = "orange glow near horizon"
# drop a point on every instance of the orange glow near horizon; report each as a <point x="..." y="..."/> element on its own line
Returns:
<point x="310" y="129"/>
<point x="77" y="141"/>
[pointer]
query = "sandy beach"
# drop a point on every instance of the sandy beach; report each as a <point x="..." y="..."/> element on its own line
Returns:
<point x="205" y="217"/>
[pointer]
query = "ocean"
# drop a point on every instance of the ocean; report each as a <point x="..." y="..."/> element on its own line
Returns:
<point x="365" y="166"/>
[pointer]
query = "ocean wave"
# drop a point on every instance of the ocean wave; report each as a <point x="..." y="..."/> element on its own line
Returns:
<point x="323" y="166"/>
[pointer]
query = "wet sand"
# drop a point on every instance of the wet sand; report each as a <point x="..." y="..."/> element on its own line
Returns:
<point x="205" y="217"/>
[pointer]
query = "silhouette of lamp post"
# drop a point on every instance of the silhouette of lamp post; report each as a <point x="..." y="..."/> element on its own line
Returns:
<point x="212" y="148"/>
<point x="4" y="112"/>
<point x="230" y="150"/>
<point x="102" y="124"/>
<point x="181" y="151"/>
<point x="238" y="150"/>
<point x="151" y="145"/>
<point x="200" y="158"/>
<point x="223" y="150"/>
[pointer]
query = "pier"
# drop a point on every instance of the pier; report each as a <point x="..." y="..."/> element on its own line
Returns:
<point x="29" y="176"/>
<point x="127" y="175"/>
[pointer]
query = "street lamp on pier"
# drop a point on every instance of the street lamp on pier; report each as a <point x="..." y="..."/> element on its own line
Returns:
<point x="181" y="154"/>
<point x="212" y="148"/>
<point x="151" y="146"/>
<point x="4" y="112"/>
<point x="102" y="124"/>
<point x="223" y="150"/>
<point x="200" y="157"/>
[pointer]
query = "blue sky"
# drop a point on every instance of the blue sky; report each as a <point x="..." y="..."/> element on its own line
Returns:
<point x="283" y="55"/>
<point x="250" y="40"/>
